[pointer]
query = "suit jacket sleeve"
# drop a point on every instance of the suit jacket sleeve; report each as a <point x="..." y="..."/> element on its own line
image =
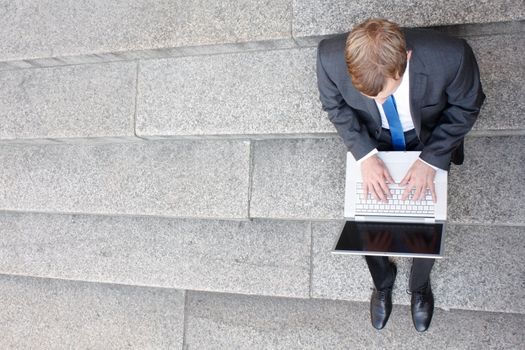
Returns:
<point x="464" y="99"/>
<point x="355" y="136"/>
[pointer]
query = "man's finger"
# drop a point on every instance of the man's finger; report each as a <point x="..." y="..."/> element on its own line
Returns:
<point x="370" y="191"/>
<point x="405" y="195"/>
<point x="380" y="196"/>
<point x="389" y="177"/>
<point x="406" y="179"/>
<point x="433" y="191"/>
<point x="386" y="190"/>
<point x="419" y="190"/>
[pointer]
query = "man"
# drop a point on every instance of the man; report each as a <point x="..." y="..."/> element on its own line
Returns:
<point x="387" y="89"/>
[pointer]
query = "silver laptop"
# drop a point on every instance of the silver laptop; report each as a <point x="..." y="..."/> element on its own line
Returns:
<point x="398" y="228"/>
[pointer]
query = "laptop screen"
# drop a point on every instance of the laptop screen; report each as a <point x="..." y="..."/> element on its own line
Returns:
<point x="390" y="238"/>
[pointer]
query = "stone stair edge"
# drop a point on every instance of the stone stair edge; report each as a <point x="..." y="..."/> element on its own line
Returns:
<point x="203" y="292"/>
<point x="462" y="30"/>
<point x="305" y="220"/>
<point x="309" y="220"/>
<point x="99" y="140"/>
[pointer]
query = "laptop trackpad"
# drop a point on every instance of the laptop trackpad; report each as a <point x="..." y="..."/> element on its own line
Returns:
<point x="391" y="239"/>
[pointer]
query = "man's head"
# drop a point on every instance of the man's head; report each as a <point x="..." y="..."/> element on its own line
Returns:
<point x="376" y="57"/>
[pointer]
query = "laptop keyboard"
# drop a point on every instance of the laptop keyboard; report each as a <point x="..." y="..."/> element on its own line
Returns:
<point x="395" y="205"/>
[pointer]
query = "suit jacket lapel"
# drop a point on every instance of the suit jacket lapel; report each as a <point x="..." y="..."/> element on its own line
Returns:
<point x="417" y="89"/>
<point x="372" y="109"/>
<point x="364" y="103"/>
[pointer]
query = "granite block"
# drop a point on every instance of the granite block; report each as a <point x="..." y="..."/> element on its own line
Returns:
<point x="305" y="179"/>
<point x="255" y="257"/>
<point x="311" y="18"/>
<point x="171" y="178"/>
<point x="502" y="69"/>
<point x="298" y="178"/>
<point x="95" y="100"/>
<point x="254" y="322"/>
<point x="241" y="93"/>
<point x="489" y="188"/>
<point x="482" y="269"/>
<point x="52" y="314"/>
<point x="34" y="30"/>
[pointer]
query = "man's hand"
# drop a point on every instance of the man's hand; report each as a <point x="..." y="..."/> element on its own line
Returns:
<point x="375" y="178"/>
<point x="419" y="178"/>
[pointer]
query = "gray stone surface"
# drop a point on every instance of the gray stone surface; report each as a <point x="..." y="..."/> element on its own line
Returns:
<point x="489" y="186"/>
<point x="502" y="68"/>
<point x="482" y="269"/>
<point x="275" y="92"/>
<point x="172" y="178"/>
<point x="52" y="314"/>
<point x="33" y="30"/>
<point x="247" y="95"/>
<point x="336" y="276"/>
<point x="248" y="322"/>
<point x="242" y="93"/>
<point x="313" y="18"/>
<point x="305" y="179"/>
<point x="256" y="257"/>
<point x="298" y="178"/>
<point x="96" y="100"/>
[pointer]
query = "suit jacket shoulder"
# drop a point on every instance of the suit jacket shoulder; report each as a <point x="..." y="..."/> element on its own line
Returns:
<point x="436" y="50"/>
<point x="333" y="46"/>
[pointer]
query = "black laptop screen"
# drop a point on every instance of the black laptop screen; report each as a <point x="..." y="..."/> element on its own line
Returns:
<point x="391" y="237"/>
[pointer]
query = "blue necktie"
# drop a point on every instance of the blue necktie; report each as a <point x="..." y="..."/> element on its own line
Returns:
<point x="396" y="130"/>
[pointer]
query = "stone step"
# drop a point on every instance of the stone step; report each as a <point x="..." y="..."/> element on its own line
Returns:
<point x="251" y="94"/>
<point x="32" y="31"/>
<point x="267" y="92"/>
<point x="292" y="179"/>
<point x="502" y="70"/>
<point x="275" y="92"/>
<point x="167" y="178"/>
<point x="254" y="322"/>
<point x="90" y="100"/>
<point x="57" y="34"/>
<point x="304" y="179"/>
<point x="53" y="314"/>
<point x="312" y="18"/>
<point x="57" y="314"/>
<point x="480" y="269"/>
<point x="253" y="257"/>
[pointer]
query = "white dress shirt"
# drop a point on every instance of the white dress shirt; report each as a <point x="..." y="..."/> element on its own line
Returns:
<point x="402" y="97"/>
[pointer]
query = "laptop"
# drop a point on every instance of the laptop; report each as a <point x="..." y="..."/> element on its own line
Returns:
<point x="407" y="228"/>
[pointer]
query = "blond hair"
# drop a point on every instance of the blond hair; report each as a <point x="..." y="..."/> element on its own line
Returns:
<point x="375" y="50"/>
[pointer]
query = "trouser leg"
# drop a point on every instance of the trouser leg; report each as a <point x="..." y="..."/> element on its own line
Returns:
<point x="420" y="273"/>
<point x="381" y="271"/>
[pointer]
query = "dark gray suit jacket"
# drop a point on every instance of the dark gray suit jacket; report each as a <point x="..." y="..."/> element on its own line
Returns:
<point x="445" y="96"/>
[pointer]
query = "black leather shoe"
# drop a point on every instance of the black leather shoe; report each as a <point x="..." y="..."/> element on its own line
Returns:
<point x="381" y="305"/>
<point x="422" y="306"/>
